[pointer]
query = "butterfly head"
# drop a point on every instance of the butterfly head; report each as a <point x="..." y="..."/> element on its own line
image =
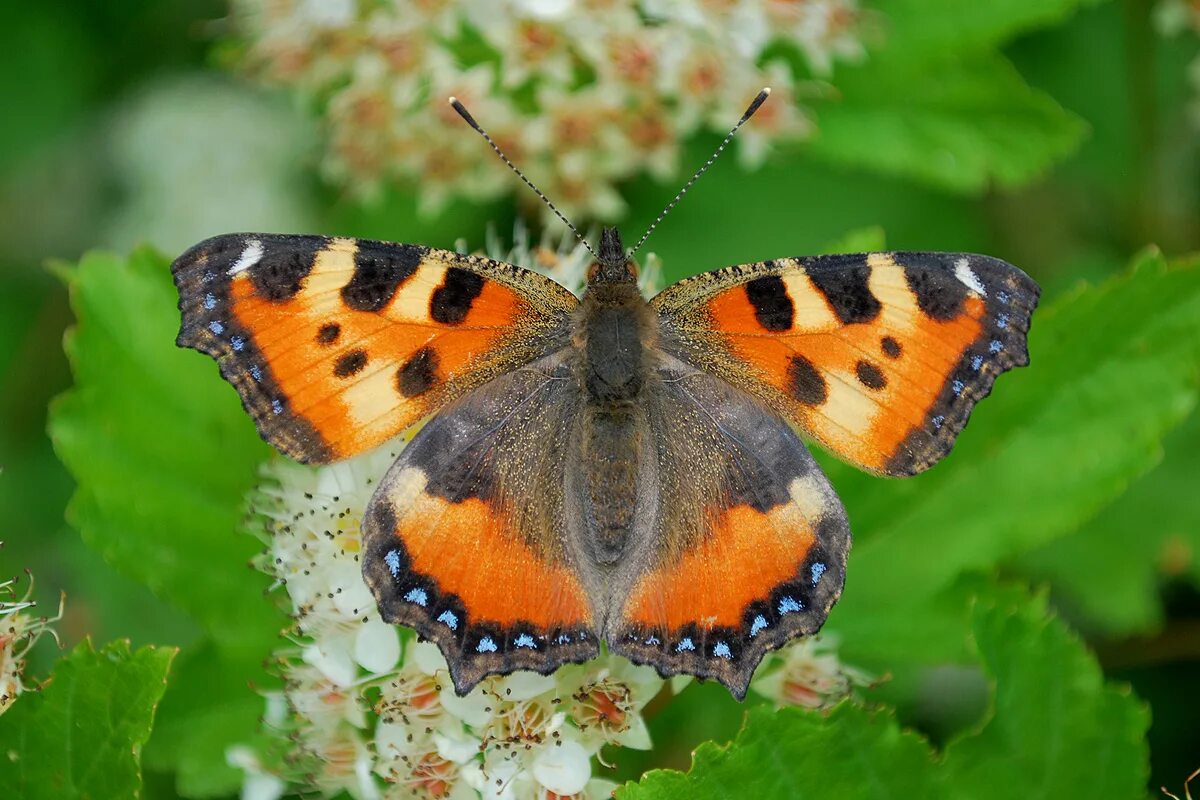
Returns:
<point x="612" y="264"/>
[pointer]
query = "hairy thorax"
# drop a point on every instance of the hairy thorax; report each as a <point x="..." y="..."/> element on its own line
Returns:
<point x="616" y="330"/>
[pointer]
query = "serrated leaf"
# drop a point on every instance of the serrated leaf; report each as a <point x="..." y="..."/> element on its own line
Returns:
<point x="162" y="452"/>
<point x="1112" y="371"/>
<point x="1110" y="582"/>
<point x="164" y="455"/>
<point x="82" y="735"/>
<point x="923" y="30"/>
<point x="849" y="753"/>
<point x="961" y="124"/>
<point x="1056" y="728"/>
<point x="1052" y="718"/>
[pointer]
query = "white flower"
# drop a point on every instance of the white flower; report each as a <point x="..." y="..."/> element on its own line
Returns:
<point x="808" y="673"/>
<point x="19" y="631"/>
<point x="581" y="93"/>
<point x="518" y="736"/>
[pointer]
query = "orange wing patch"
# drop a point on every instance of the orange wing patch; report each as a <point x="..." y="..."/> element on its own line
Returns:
<point x="337" y="345"/>
<point x="880" y="357"/>
<point x="474" y="553"/>
<point x="746" y="551"/>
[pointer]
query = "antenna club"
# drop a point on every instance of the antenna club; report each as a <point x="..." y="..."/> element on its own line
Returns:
<point x="462" y="112"/>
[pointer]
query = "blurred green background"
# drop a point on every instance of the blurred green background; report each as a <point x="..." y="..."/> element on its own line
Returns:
<point x="123" y="124"/>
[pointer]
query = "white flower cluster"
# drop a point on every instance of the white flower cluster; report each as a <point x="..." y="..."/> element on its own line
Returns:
<point x="581" y="93"/>
<point x="368" y="710"/>
<point x="1175" y="17"/>
<point x="19" y="631"/>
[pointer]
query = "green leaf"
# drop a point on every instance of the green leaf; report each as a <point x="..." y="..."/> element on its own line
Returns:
<point x="849" y="753"/>
<point x="207" y="708"/>
<point x="926" y="30"/>
<point x="1055" y="729"/>
<point x="1108" y="582"/>
<point x="162" y="452"/>
<point x="1112" y="372"/>
<point x="164" y="455"/>
<point x="82" y="735"/>
<point x="959" y="124"/>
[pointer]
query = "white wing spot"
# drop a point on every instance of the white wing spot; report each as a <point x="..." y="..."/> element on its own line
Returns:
<point x="249" y="257"/>
<point x="963" y="271"/>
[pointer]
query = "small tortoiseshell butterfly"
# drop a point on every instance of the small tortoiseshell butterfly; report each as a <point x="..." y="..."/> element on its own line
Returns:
<point x="605" y="468"/>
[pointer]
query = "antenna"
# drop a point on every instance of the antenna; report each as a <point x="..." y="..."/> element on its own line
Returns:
<point x="758" y="101"/>
<point x="466" y="115"/>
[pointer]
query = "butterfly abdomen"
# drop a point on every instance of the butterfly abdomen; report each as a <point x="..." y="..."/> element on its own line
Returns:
<point x="616" y="330"/>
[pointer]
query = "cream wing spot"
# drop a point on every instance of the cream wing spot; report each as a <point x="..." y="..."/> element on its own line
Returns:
<point x="848" y="413"/>
<point x="812" y="312"/>
<point x="899" y="314"/>
<point x="412" y="300"/>
<point x="808" y="497"/>
<point x="370" y="403"/>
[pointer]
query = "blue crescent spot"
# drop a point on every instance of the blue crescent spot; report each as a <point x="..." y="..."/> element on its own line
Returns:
<point x="976" y="363"/>
<point x="525" y="640"/>
<point x="563" y="639"/>
<point x="277" y="406"/>
<point x="759" y="623"/>
<point x="957" y="386"/>
<point x="256" y="373"/>
<point x="721" y="650"/>
<point x="938" y="420"/>
<point x="653" y="640"/>
<point x="210" y="302"/>
<point x="237" y="342"/>
<point x="392" y="559"/>
<point x="417" y="596"/>
<point x="216" y="327"/>
<point x="816" y="571"/>
<point x="790" y="605"/>
<point x="1002" y="321"/>
<point x="486" y="645"/>
<point x="995" y="347"/>
<point x="1002" y="297"/>
<point x="450" y="619"/>
<point x="210" y="276"/>
<point x="685" y="644"/>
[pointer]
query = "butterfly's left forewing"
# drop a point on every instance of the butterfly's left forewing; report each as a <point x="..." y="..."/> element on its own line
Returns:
<point x="335" y="345"/>
<point x="878" y="356"/>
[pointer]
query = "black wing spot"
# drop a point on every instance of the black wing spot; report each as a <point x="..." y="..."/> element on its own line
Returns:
<point x="773" y="306"/>
<point x="451" y="302"/>
<point x="379" y="271"/>
<point x="350" y="364"/>
<point x="870" y="375"/>
<point x="328" y="334"/>
<point x="805" y="382"/>
<point x="279" y="276"/>
<point x="890" y="347"/>
<point x="939" y="294"/>
<point x="418" y="374"/>
<point x="844" y="284"/>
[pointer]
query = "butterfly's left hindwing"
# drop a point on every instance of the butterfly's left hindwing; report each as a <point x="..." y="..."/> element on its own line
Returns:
<point x="336" y="345"/>
<point x="878" y="356"/>
<point x="464" y="539"/>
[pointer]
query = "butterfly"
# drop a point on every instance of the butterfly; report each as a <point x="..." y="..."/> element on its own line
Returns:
<point x="605" y="469"/>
